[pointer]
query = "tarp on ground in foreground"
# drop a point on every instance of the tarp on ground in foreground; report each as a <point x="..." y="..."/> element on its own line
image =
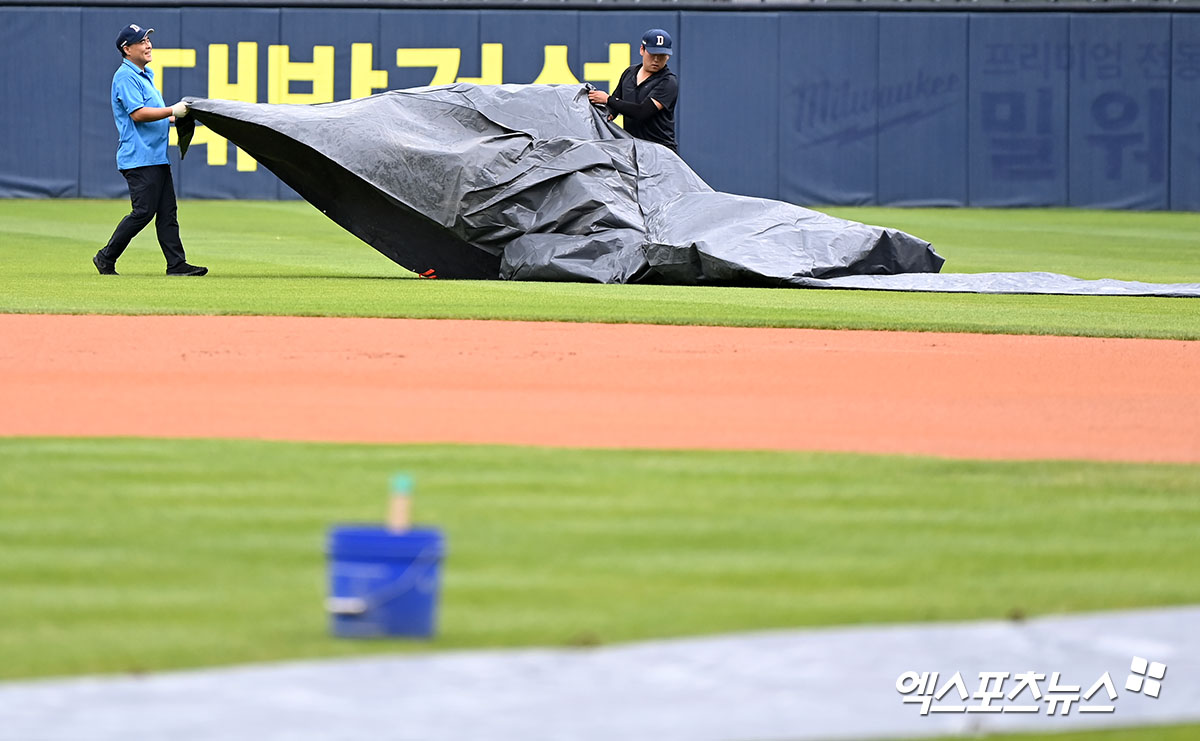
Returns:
<point x="530" y="182"/>
<point x="1043" y="283"/>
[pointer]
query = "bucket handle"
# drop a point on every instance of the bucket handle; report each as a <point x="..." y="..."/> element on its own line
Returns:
<point x="360" y="605"/>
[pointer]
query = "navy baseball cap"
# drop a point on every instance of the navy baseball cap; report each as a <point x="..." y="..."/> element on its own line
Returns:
<point x="657" y="41"/>
<point x="132" y="34"/>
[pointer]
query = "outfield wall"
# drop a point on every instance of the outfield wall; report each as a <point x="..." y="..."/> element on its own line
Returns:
<point x="815" y="107"/>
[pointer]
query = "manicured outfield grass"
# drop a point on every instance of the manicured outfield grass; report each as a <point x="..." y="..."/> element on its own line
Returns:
<point x="287" y="258"/>
<point x="132" y="555"/>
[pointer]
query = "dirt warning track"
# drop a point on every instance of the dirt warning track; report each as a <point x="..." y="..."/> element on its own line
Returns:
<point x="588" y="385"/>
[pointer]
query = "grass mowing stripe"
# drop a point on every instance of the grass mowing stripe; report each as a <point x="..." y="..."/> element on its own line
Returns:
<point x="128" y="554"/>
<point x="285" y="258"/>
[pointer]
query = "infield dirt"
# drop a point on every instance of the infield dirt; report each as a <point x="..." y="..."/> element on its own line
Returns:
<point x="601" y="385"/>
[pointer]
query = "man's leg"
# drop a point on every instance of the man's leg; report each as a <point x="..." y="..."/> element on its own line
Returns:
<point x="144" y="193"/>
<point x="166" y="222"/>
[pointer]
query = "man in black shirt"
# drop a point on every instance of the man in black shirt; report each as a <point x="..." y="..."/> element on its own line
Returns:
<point x="646" y="93"/>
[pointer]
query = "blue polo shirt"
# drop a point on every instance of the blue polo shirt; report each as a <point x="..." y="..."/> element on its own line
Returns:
<point x="141" y="144"/>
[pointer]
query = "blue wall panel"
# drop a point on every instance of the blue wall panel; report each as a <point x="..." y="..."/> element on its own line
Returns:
<point x="201" y="177"/>
<point x="1018" y="111"/>
<point x="829" y="84"/>
<point x="815" y="107"/>
<point x="922" y="109"/>
<point x="39" y="151"/>
<point x="303" y="31"/>
<point x="732" y="112"/>
<point x="1185" y="113"/>
<point x="428" y="29"/>
<point x="526" y="35"/>
<point x="1120" y="103"/>
<point x="306" y="29"/>
<point x="98" y="176"/>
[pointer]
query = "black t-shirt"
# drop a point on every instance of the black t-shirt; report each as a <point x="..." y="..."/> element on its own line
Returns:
<point x="662" y="86"/>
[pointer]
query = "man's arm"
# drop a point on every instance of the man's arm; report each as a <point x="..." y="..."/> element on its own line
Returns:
<point x="662" y="96"/>
<point x="599" y="97"/>
<point x="146" y="114"/>
<point x="637" y="111"/>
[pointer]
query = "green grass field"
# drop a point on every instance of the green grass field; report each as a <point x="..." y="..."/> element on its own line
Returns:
<point x="134" y="555"/>
<point x="286" y="258"/>
<point x="131" y="555"/>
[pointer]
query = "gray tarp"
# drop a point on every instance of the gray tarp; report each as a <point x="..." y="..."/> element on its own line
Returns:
<point x="1045" y="283"/>
<point x="529" y="182"/>
<point x="816" y="683"/>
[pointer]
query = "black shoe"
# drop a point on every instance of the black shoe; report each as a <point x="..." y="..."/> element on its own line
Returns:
<point x="185" y="269"/>
<point x="104" y="267"/>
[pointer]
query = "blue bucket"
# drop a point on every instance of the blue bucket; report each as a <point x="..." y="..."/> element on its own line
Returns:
<point x="383" y="583"/>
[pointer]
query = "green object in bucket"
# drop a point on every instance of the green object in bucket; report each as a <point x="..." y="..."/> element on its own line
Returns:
<point x="402" y="485"/>
<point x="399" y="517"/>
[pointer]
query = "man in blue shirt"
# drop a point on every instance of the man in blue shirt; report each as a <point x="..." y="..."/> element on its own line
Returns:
<point x="143" y="123"/>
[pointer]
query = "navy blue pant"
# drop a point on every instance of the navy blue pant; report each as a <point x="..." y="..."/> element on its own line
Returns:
<point x="152" y="192"/>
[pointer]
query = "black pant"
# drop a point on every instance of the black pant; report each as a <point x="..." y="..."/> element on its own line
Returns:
<point x="152" y="192"/>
